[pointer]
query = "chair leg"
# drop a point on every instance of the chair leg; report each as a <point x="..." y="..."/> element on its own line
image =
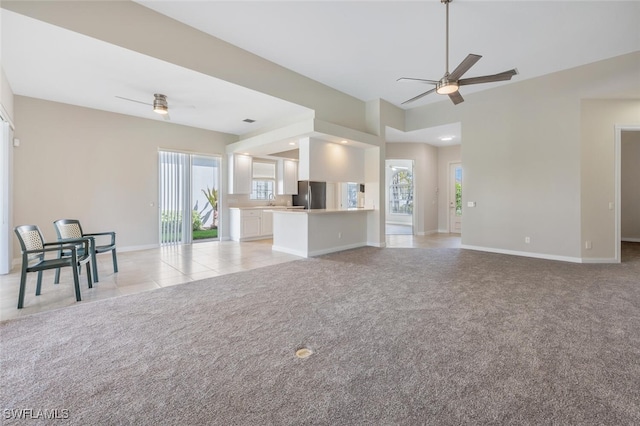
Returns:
<point x="57" y="279"/>
<point x="94" y="263"/>
<point x="76" y="281"/>
<point x="115" y="260"/>
<point x="23" y="284"/>
<point x="39" y="285"/>
<point x="89" y="275"/>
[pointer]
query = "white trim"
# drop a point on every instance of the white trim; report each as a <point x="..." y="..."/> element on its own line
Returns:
<point x="335" y="249"/>
<point x="305" y="254"/>
<point x="526" y="254"/>
<point x="618" y="128"/>
<point x="379" y="245"/>
<point x="289" y="251"/>
<point x="137" y="248"/>
<point x="4" y="115"/>
<point x="599" y="260"/>
<point x="630" y="240"/>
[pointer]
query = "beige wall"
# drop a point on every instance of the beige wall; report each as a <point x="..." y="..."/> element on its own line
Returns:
<point x="521" y="155"/>
<point x="99" y="167"/>
<point x="630" y="186"/>
<point x="446" y="156"/>
<point x="425" y="173"/>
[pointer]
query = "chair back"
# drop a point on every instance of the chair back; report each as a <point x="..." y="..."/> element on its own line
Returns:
<point x="30" y="238"/>
<point x="68" y="228"/>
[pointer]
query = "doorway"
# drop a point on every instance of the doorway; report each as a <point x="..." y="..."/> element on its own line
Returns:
<point x="6" y="136"/>
<point x="400" y="190"/>
<point x="627" y="190"/>
<point x="189" y="197"/>
<point x="455" y="198"/>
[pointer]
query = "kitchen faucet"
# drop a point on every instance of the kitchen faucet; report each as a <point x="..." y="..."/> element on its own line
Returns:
<point x="272" y="199"/>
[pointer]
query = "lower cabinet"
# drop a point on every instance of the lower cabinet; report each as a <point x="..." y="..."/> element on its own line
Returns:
<point x="251" y="224"/>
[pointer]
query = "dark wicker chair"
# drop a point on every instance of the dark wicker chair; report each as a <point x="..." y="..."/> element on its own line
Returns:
<point x="71" y="229"/>
<point x="34" y="251"/>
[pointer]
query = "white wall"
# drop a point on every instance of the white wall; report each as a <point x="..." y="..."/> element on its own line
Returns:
<point x="446" y="156"/>
<point x="521" y="156"/>
<point x="630" y="186"/>
<point x="99" y="167"/>
<point x="425" y="175"/>
<point x="330" y="162"/>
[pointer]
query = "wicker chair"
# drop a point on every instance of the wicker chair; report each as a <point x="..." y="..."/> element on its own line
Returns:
<point x="71" y="229"/>
<point x="34" y="251"/>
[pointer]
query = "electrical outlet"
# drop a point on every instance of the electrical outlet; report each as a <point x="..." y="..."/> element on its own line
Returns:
<point x="587" y="245"/>
<point x="527" y="240"/>
<point x="339" y="235"/>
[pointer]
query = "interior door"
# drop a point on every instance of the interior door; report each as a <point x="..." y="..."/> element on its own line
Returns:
<point x="455" y="198"/>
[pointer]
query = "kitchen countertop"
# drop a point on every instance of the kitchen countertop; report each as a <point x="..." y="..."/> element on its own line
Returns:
<point x="322" y="211"/>
<point x="268" y="208"/>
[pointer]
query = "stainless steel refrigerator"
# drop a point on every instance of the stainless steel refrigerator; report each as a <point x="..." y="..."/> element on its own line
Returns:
<point x="311" y="195"/>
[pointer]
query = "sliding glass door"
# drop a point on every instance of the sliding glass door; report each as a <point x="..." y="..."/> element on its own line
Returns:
<point x="189" y="190"/>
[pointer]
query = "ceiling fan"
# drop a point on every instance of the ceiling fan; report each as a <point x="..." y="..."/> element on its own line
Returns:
<point x="160" y="104"/>
<point x="450" y="83"/>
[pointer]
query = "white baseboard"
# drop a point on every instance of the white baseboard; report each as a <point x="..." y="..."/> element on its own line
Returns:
<point x="335" y="249"/>
<point x="524" y="254"/>
<point x="317" y="252"/>
<point x="137" y="248"/>
<point x="379" y="245"/>
<point x="599" y="260"/>
<point x="631" y="240"/>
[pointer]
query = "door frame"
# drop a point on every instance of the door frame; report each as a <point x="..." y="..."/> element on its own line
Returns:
<point x="619" y="128"/>
<point x="450" y="193"/>
<point x="413" y="190"/>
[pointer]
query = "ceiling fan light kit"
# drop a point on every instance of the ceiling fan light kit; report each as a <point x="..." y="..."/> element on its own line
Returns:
<point x="451" y="82"/>
<point x="445" y="87"/>
<point x="160" y="104"/>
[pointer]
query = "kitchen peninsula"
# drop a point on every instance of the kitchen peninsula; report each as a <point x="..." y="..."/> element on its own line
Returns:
<point x="319" y="231"/>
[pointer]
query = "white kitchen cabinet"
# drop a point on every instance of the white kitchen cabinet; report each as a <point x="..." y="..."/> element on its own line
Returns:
<point x="251" y="224"/>
<point x="240" y="174"/>
<point x="266" y="224"/>
<point x="287" y="177"/>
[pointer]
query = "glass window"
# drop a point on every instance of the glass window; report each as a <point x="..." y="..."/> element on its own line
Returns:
<point x="401" y="193"/>
<point x="263" y="180"/>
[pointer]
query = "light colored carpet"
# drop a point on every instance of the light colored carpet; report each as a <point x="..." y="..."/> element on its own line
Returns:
<point x="400" y="336"/>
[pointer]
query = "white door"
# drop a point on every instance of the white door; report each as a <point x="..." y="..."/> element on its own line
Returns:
<point x="455" y="198"/>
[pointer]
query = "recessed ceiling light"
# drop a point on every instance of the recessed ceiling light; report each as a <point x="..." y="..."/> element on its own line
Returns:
<point x="344" y="142"/>
<point x="446" y="138"/>
<point x="292" y="143"/>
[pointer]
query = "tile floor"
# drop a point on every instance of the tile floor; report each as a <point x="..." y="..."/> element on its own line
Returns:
<point x="152" y="269"/>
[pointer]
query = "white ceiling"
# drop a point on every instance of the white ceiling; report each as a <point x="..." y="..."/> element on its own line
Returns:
<point x="357" y="47"/>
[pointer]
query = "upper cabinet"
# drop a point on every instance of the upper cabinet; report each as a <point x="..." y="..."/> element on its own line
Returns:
<point x="287" y="177"/>
<point x="239" y="174"/>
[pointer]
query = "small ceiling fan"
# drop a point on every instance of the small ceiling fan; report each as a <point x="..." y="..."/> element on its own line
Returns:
<point x="451" y="82"/>
<point x="160" y="104"/>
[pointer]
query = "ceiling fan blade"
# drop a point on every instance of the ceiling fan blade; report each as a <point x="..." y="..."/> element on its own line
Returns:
<point x="456" y="98"/>
<point x="133" y="100"/>
<point x="418" y="80"/>
<point x="464" y="66"/>
<point x="419" y="96"/>
<point x="506" y="75"/>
